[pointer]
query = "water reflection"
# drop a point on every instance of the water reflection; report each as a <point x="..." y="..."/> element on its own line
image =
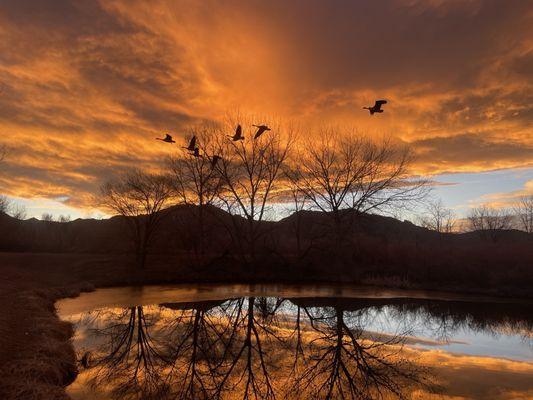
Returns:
<point x="269" y="347"/>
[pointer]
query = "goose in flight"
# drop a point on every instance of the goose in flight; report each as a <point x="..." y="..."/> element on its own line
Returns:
<point x="215" y="160"/>
<point x="376" y="108"/>
<point x="238" y="134"/>
<point x="192" y="144"/>
<point x="260" y="130"/>
<point x="167" y="139"/>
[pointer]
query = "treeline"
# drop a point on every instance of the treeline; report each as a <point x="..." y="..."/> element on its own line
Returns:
<point x="341" y="174"/>
<point x="212" y="208"/>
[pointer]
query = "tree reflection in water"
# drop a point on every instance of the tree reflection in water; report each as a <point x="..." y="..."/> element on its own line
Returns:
<point x="263" y="348"/>
<point x="130" y="361"/>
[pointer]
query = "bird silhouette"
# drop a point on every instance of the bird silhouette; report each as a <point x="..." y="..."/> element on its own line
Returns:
<point x="238" y="134"/>
<point x="376" y="108"/>
<point x="167" y="139"/>
<point x="192" y="144"/>
<point x="214" y="161"/>
<point x="260" y="130"/>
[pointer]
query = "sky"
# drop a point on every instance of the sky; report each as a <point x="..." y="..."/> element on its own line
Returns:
<point x="86" y="86"/>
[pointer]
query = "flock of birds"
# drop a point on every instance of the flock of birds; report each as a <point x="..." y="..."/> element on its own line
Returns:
<point x="238" y="136"/>
<point x="194" y="150"/>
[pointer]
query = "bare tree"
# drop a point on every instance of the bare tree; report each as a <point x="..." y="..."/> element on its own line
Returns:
<point x="347" y="175"/>
<point x="141" y="198"/>
<point x="47" y="217"/>
<point x="18" y="211"/>
<point x="251" y="172"/>
<point x="523" y="210"/>
<point x="489" y="221"/>
<point x="63" y="218"/>
<point x="197" y="181"/>
<point x="438" y="218"/>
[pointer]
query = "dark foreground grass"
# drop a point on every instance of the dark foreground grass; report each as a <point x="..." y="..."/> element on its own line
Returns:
<point x="37" y="359"/>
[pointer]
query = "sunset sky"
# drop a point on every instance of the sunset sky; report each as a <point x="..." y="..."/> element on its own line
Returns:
<point x="86" y="86"/>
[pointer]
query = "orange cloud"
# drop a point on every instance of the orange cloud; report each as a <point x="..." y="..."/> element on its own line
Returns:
<point x="84" y="88"/>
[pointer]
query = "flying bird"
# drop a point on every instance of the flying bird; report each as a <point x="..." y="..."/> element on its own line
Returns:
<point x="376" y="108"/>
<point x="167" y="139"/>
<point x="238" y="134"/>
<point x="192" y="144"/>
<point x="260" y="130"/>
<point x="215" y="160"/>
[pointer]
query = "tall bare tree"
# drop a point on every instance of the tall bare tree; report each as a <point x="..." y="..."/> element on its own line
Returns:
<point x="438" y="218"/>
<point x="524" y="212"/>
<point x="489" y="221"/>
<point x="347" y="175"/>
<point x="196" y="179"/>
<point x="141" y="199"/>
<point x="251" y="172"/>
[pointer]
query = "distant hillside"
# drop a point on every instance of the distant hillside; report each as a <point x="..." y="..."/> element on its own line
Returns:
<point x="375" y="249"/>
<point x="180" y="223"/>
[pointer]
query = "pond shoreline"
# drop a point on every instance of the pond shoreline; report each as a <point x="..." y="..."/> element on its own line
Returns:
<point x="38" y="360"/>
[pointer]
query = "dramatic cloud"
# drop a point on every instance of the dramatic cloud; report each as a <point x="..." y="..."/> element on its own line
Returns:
<point x="86" y="86"/>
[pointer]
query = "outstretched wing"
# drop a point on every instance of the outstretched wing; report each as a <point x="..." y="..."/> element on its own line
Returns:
<point x="379" y="103"/>
<point x="238" y="131"/>
<point x="192" y="143"/>
<point x="259" y="132"/>
<point x="168" y="137"/>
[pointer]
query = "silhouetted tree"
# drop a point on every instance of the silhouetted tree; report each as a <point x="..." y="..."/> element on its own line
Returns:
<point x="438" y="218"/>
<point x="63" y="219"/>
<point x="251" y="172"/>
<point x="197" y="181"/>
<point x="47" y="217"/>
<point x="347" y="175"/>
<point x="524" y="212"/>
<point x="18" y="211"/>
<point x="141" y="199"/>
<point x="489" y="221"/>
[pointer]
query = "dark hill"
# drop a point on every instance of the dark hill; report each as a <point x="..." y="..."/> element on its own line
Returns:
<point x="375" y="249"/>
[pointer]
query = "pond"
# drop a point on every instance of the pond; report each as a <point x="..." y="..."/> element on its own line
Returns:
<point x="298" y="342"/>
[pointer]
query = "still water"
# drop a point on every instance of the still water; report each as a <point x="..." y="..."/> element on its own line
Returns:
<point x="298" y="342"/>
